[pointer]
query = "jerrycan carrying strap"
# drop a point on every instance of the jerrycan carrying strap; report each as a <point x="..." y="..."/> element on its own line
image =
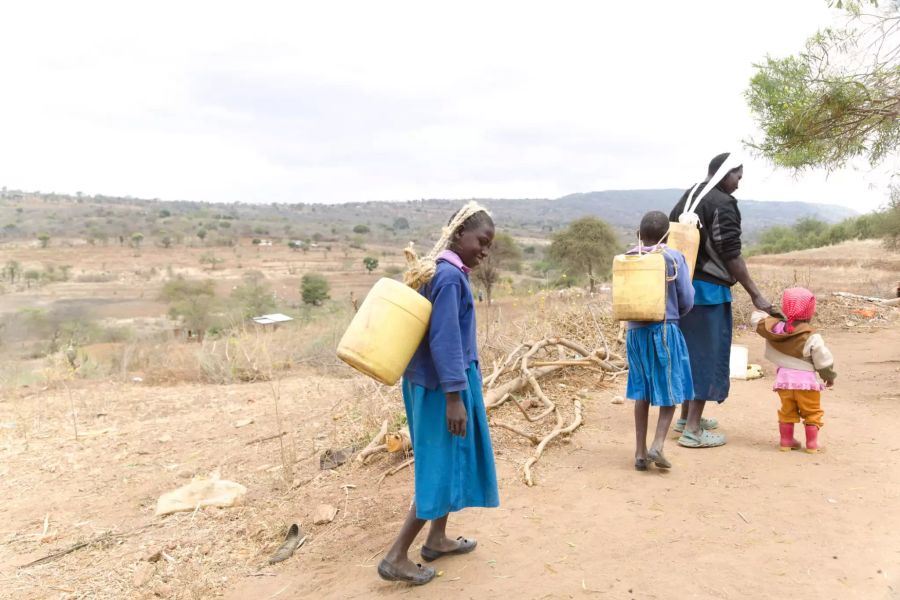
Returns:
<point x="689" y="215"/>
<point x="658" y="248"/>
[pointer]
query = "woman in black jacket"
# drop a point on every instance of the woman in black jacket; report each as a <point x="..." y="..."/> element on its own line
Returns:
<point x="707" y="328"/>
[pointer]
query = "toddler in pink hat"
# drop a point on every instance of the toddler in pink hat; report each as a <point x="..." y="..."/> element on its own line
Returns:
<point x="799" y="352"/>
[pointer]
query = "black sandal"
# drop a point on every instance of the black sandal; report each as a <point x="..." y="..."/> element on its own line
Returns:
<point x="465" y="546"/>
<point x="640" y="464"/>
<point x="386" y="571"/>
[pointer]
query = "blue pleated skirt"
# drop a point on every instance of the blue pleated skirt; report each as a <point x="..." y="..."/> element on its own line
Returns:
<point x="451" y="472"/>
<point x="707" y="331"/>
<point x="659" y="370"/>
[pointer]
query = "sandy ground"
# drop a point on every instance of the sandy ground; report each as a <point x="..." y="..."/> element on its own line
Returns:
<point x="741" y="521"/>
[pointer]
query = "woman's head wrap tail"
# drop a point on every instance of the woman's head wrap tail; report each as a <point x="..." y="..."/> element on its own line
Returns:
<point x="421" y="270"/>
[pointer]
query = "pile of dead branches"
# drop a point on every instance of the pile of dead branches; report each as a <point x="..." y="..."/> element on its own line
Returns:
<point x="520" y="373"/>
<point x="516" y="380"/>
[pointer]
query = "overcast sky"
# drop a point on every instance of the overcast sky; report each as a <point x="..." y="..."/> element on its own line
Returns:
<point x="340" y="101"/>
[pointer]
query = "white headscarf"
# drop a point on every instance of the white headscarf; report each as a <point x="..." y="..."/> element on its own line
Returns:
<point x="732" y="161"/>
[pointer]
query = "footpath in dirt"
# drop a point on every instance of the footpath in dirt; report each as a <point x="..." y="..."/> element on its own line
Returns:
<point x="741" y="521"/>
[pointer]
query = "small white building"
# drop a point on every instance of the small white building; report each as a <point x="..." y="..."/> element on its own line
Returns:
<point x="272" y="320"/>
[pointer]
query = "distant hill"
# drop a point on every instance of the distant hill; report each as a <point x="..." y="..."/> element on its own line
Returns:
<point x="25" y="214"/>
<point x="624" y="208"/>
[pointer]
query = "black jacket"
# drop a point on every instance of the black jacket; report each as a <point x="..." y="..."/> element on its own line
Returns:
<point x="720" y="235"/>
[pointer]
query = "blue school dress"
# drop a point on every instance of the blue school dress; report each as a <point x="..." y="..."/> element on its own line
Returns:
<point x="451" y="472"/>
<point x="659" y="367"/>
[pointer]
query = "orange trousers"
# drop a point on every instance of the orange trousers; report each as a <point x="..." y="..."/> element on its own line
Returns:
<point x="800" y="403"/>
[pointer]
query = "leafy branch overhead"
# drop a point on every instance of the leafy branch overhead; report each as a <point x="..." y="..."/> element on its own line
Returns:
<point x="836" y="101"/>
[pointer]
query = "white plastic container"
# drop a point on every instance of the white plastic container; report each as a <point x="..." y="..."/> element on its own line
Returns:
<point x="737" y="364"/>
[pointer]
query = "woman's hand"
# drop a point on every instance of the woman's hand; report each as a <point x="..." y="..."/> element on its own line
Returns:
<point x="764" y="305"/>
<point x="456" y="415"/>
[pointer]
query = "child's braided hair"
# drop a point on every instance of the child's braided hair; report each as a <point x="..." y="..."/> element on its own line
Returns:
<point x="421" y="270"/>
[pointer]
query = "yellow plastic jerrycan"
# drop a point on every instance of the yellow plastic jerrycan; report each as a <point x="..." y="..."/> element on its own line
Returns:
<point x="387" y="329"/>
<point x="639" y="287"/>
<point x="685" y="237"/>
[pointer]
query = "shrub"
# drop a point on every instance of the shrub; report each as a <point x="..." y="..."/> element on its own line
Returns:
<point x="314" y="289"/>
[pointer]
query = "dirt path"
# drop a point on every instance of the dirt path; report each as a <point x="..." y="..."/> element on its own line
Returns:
<point x="743" y="521"/>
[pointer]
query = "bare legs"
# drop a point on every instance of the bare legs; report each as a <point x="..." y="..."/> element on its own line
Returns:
<point x="692" y="410"/>
<point x="666" y="414"/>
<point x="398" y="555"/>
<point x="641" y="418"/>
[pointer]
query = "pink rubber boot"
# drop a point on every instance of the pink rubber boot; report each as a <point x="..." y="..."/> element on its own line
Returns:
<point x="812" y="439"/>
<point x="788" y="441"/>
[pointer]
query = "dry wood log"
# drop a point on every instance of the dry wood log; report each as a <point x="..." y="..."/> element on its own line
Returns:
<point x="889" y="302"/>
<point x="397" y="469"/>
<point x="535" y="440"/>
<point x="558" y="430"/>
<point x="514" y="385"/>
<point x="374" y="446"/>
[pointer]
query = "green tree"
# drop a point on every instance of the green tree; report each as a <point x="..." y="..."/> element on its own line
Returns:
<point x="505" y="253"/>
<point x="212" y="260"/>
<point x="31" y="276"/>
<point x="587" y="247"/>
<point x="201" y="233"/>
<point x="361" y="229"/>
<point x="254" y="296"/>
<point x="889" y="225"/>
<point x="370" y="263"/>
<point x="44" y="239"/>
<point x="12" y="270"/>
<point x="314" y="288"/>
<point x="166" y="241"/>
<point x="836" y="100"/>
<point x="136" y="239"/>
<point x="193" y="302"/>
<point x="401" y="223"/>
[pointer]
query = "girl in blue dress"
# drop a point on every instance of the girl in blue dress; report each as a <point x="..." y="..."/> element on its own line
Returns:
<point x="454" y="466"/>
<point x="659" y="367"/>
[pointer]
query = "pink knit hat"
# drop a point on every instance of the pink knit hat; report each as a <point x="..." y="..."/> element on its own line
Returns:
<point x="798" y="304"/>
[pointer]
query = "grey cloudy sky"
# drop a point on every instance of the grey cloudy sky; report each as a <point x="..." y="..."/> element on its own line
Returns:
<point x="344" y="101"/>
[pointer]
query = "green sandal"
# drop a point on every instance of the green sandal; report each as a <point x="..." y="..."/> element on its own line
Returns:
<point x="704" y="424"/>
<point x="706" y="439"/>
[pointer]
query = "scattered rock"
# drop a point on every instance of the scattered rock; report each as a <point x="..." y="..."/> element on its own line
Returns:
<point x="143" y="574"/>
<point x="185" y="474"/>
<point x="324" y="514"/>
<point x="243" y="423"/>
<point x="153" y="555"/>
<point x="618" y="400"/>
<point x="202" y="491"/>
<point x="163" y="590"/>
<point x="164" y="439"/>
<point x="332" y="458"/>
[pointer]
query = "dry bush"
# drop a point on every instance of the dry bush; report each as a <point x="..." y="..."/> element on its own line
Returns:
<point x="249" y="354"/>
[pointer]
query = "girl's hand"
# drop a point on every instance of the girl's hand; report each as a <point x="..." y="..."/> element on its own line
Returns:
<point x="456" y="415"/>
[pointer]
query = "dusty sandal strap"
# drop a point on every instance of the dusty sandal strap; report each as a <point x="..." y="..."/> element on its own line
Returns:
<point x="465" y="546"/>
<point x="387" y="572"/>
